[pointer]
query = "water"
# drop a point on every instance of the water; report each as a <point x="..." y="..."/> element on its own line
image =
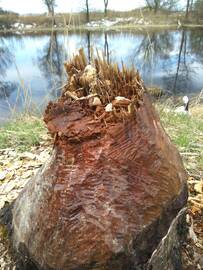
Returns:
<point x="31" y="66"/>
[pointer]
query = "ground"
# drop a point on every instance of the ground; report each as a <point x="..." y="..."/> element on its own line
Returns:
<point x="187" y="133"/>
<point x="25" y="146"/>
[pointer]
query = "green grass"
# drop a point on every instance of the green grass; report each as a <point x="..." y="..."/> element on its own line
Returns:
<point x="185" y="131"/>
<point x="187" y="134"/>
<point x="22" y="133"/>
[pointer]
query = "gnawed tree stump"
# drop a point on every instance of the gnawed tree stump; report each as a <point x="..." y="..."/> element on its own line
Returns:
<point x="113" y="184"/>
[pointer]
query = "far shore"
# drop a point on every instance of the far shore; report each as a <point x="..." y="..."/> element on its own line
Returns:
<point x="134" y="20"/>
<point x="85" y="28"/>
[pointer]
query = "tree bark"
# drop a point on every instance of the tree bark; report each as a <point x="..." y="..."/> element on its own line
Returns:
<point x="110" y="195"/>
<point x="105" y="6"/>
<point x="156" y="7"/>
<point x="87" y="11"/>
<point x="53" y="16"/>
<point x="187" y="9"/>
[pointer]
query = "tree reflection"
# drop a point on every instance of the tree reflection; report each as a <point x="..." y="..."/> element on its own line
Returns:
<point x="50" y="61"/>
<point x="6" y="88"/>
<point x="181" y="79"/>
<point x="88" y="47"/>
<point x="90" y="43"/>
<point x="6" y="60"/>
<point x="153" y="47"/>
<point x="157" y="51"/>
<point x="6" y="57"/>
<point x="196" y="43"/>
<point x="182" y="50"/>
<point x="106" y="48"/>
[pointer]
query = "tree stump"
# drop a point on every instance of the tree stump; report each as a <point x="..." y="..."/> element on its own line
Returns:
<point x="114" y="185"/>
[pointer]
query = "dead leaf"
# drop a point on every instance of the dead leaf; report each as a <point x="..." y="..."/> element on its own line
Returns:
<point x="28" y="156"/>
<point x="2" y="175"/>
<point x="198" y="187"/>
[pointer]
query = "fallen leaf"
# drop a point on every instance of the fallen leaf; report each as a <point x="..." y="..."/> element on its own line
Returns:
<point x="27" y="155"/>
<point x="198" y="187"/>
<point x="27" y="174"/>
<point x="2" y="175"/>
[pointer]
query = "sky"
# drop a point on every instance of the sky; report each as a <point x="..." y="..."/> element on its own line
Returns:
<point x="37" y="6"/>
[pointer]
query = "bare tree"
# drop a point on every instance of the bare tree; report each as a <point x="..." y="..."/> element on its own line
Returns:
<point x="187" y="9"/>
<point x="198" y="8"/>
<point x="106" y="2"/>
<point x="161" y="4"/>
<point x="87" y="10"/>
<point x="191" y="5"/>
<point x="50" y="4"/>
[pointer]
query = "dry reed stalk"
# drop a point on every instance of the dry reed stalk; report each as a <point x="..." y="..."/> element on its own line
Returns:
<point x="107" y="82"/>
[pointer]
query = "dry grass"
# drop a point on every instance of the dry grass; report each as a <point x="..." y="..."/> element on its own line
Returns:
<point x="186" y="131"/>
<point x="79" y="19"/>
<point x="22" y="133"/>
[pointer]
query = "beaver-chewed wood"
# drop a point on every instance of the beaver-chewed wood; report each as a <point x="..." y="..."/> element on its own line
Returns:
<point x="113" y="184"/>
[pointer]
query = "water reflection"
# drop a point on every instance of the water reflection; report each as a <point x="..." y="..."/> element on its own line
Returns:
<point x="6" y="88"/>
<point x="6" y="59"/>
<point x="106" y="48"/>
<point x="172" y="60"/>
<point x="92" y="42"/>
<point x="181" y="75"/>
<point x="196" y="44"/>
<point x="184" y="72"/>
<point x="88" y="47"/>
<point x="153" y="47"/>
<point x="50" y="61"/>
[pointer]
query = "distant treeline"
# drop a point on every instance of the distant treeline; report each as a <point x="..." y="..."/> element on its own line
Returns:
<point x="156" y="11"/>
<point x="4" y="12"/>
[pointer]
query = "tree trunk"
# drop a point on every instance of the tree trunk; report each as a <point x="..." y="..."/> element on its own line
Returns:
<point x="51" y="13"/>
<point x="105" y="7"/>
<point x="191" y="6"/>
<point x="53" y="17"/>
<point x="105" y="11"/>
<point x="110" y="196"/>
<point x="87" y="11"/>
<point x="187" y="9"/>
<point x="149" y="5"/>
<point x="156" y="7"/>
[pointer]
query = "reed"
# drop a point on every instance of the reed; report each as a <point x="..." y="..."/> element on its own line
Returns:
<point x="106" y="81"/>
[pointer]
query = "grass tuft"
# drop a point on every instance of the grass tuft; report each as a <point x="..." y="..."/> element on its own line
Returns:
<point x="22" y="133"/>
<point x="185" y="131"/>
<point x="187" y="134"/>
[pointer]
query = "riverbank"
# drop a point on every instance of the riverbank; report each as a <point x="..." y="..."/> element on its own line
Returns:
<point x="186" y="131"/>
<point x="114" y="21"/>
<point x="84" y="28"/>
<point x="25" y="146"/>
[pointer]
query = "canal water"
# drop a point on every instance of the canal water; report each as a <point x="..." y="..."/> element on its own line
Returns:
<point x="32" y="73"/>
